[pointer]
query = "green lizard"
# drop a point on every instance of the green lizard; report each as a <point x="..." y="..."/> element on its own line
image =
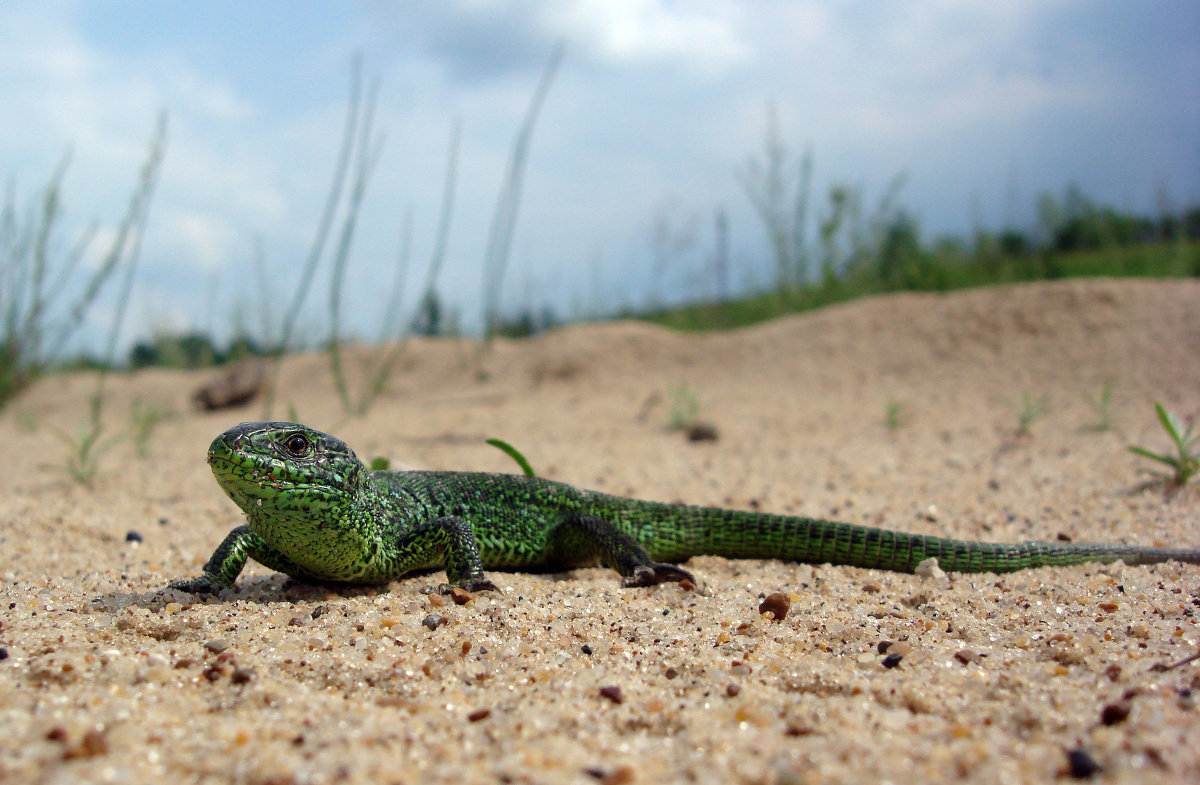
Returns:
<point x="315" y="512"/>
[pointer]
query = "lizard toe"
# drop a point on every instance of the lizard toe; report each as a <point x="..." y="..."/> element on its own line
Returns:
<point x="655" y="573"/>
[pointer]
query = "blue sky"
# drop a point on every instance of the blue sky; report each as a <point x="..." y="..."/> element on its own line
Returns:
<point x="656" y="106"/>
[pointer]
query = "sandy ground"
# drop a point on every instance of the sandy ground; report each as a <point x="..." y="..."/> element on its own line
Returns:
<point x="568" y="678"/>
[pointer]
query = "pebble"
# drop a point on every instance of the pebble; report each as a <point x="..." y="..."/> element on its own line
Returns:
<point x="613" y="693"/>
<point x="216" y="646"/>
<point x="1081" y="765"/>
<point x="1115" y="713"/>
<point x="892" y="660"/>
<point x="777" y="604"/>
<point x="479" y="714"/>
<point x="433" y="621"/>
<point x="133" y="536"/>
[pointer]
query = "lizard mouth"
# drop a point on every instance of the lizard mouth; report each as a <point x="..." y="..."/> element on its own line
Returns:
<point x="245" y="477"/>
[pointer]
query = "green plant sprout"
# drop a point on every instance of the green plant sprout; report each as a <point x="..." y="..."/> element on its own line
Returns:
<point x="685" y="407"/>
<point x="1187" y="462"/>
<point x="895" y="414"/>
<point x="1029" y="410"/>
<point x="515" y="454"/>
<point x="144" y="417"/>
<point x="1102" y="405"/>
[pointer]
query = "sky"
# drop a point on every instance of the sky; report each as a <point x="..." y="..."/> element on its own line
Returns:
<point x="656" y="108"/>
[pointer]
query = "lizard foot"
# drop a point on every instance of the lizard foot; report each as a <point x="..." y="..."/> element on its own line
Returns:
<point x="476" y="584"/>
<point x="655" y="573"/>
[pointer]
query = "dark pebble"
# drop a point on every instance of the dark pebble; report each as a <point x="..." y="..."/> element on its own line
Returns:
<point x="1115" y="713"/>
<point x="776" y="603"/>
<point x="892" y="660"/>
<point x="433" y="621"/>
<point x="242" y="676"/>
<point x="882" y="646"/>
<point x="586" y="649"/>
<point x="216" y="647"/>
<point x="613" y="693"/>
<point x="732" y="690"/>
<point x="479" y="714"/>
<point x="1081" y="765"/>
<point x="3" y="653"/>
<point x="132" y="536"/>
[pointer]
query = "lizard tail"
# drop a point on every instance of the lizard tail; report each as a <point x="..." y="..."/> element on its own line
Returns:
<point x="672" y="533"/>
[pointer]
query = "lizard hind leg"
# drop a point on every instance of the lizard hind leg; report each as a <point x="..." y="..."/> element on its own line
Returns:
<point x="580" y="539"/>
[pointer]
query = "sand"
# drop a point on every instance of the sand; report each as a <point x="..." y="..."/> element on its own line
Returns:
<point x="568" y="678"/>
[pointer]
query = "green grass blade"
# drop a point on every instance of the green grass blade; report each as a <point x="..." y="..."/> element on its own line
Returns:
<point x="515" y="454"/>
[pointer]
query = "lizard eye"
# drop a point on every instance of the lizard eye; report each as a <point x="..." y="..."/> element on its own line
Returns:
<point x="297" y="445"/>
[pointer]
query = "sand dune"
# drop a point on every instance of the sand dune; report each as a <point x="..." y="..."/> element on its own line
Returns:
<point x="566" y="677"/>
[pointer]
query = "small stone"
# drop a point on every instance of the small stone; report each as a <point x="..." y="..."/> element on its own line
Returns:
<point x="732" y="690"/>
<point x="433" y="621"/>
<point x="295" y="621"/>
<point x="882" y="646"/>
<point x="777" y="604"/>
<point x="479" y="714"/>
<point x="1108" y="607"/>
<point x="892" y="660"/>
<point x="133" y="536"/>
<point x="216" y="646"/>
<point x="57" y="733"/>
<point x="613" y="693"/>
<point x="437" y="600"/>
<point x="460" y="596"/>
<point x="1081" y="765"/>
<point x="212" y="674"/>
<point x="94" y="742"/>
<point x="3" y="653"/>
<point x="872" y="588"/>
<point x="319" y="611"/>
<point x="242" y="676"/>
<point x="622" y="775"/>
<point x="586" y="649"/>
<point x="1115" y="713"/>
<point x="968" y="657"/>
<point x="929" y="568"/>
<point x="702" y="432"/>
<point x="671" y="673"/>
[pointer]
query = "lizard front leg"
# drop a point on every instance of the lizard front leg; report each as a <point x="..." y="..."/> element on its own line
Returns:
<point x="229" y="558"/>
<point x="453" y="540"/>
<point x="581" y="537"/>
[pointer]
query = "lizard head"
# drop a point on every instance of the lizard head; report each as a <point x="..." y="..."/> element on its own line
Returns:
<point x="283" y="468"/>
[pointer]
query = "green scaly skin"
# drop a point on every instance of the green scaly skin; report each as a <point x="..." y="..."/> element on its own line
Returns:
<point x="314" y="512"/>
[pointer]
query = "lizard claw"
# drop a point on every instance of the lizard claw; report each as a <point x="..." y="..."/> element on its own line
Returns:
<point x="201" y="585"/>
<point x="655" y="573"/>
<point x="476" y="584"/>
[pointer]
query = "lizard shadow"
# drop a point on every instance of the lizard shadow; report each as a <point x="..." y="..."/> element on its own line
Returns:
<point x="266" y="590"/>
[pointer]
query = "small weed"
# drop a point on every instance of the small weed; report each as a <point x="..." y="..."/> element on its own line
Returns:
<point x="144" y="417"/>
<point x="87" y="445"/>
<point x="1187" y="446"/>
<point x="895" y="414"/>
<point x="1029" y="411"/>
<point x="1102" y="405"/>
<point x="685" y="407"/>
<point x="515" y="454"/>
